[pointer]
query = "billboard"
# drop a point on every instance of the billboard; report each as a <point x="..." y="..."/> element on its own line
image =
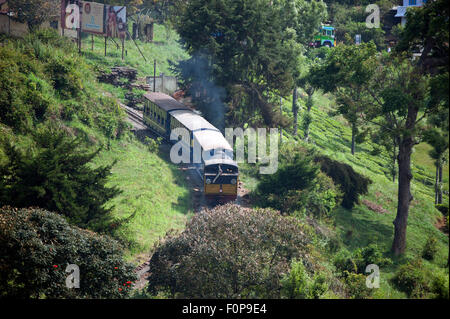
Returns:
<point x="70" y="14"/>
<point x="95" y="18"/>
<point x="115" y="21"/>
<point x="92" y="18"/>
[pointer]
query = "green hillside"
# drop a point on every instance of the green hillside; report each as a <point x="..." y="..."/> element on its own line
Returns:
<point x="154" y="197"/>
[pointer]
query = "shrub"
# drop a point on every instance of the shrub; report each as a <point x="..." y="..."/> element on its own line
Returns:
<point x="153" y="144"/>
<point x="298" y="185"/>
<point x="351" y="183"/>
<point x="430" y="248"/>
<point x="356" y="285"/>
<point x="345" y="263"/>
<point x="65" y="76"/>
<point x="299" y="285"/>
<point x="440" y="286"/>
<point x="411" y="279"/>
<point x="357" y="261"/>
<point x="37" y="245"/>
<point x="228" y="252"/>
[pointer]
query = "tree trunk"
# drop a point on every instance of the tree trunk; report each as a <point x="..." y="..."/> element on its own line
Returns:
<point x="436" y="185"/>
<point x="440" y="183"/>
<point x="404" y="183"/>
<point x="394" y="157"/>
<point x="295" y="110"/>
<point x="353" y="139"/>
<point x="307" y="118"/>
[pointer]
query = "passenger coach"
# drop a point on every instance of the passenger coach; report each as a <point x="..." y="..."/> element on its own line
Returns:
<point x="220" y="173"/>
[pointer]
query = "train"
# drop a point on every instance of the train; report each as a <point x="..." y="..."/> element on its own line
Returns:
<point x="219" y="172"/>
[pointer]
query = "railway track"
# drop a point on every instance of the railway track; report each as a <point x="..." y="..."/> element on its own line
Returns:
<point x="134" y="118"/>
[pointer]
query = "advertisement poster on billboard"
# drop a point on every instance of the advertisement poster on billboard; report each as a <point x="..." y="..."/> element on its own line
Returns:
<point x="70" y="14"/>
<point x="115" y="22"/>
<point x="92" y="20"/>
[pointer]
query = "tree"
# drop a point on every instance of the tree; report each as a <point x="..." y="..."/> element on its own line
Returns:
<point x="346" y="72"/>
<point x="35" y="12"/>
<point x="37" y="246"/>
<point x="405" y="94"/>
<point x="398" y="107"/>
<point x="251" y="47"/>
<point x="438" y="139"/>
<point x="229" y="252"/>
<point x="57" y="176"/>
<point x="427" y="29"/>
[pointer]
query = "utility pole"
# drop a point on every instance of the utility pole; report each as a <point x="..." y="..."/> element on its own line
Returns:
<point x="154" y="75"/>
<point x="80" y="8"/>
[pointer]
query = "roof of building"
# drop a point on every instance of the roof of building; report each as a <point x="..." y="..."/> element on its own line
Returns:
<point x="165" y="101"/>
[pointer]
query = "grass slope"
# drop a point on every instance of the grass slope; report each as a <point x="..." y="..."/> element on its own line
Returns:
<point x="163" y="49"/>
<point x="361" y="226"/>
<point x="155" y="195"/>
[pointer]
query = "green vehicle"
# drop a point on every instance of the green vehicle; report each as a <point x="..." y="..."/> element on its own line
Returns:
<point x="325" y="37"/>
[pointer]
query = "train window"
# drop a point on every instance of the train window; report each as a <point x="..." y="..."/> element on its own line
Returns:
<point x="211" y="152"/>
<point x="227" y="169"/>
<point x="158" y="119"/>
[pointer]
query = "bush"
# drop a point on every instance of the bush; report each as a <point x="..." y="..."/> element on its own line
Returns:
<point x="298" y="185"/>
<point x="357" y="261"/>
<point x="356" y="285"/>
<point x="411" y="279"/>
<point x="440" y="286"/>
<point x="430" y="248"/>
<point x="299" y="285"/>
<point x="65" y="76"/>
<point x="345" y="263"/>
<point x="37" y="245"/>
<point x="228" y="252"/>
<point x="351" y="183"/>
<point x="153" y="144"/>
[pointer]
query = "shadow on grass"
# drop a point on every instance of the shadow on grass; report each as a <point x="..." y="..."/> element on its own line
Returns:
<point x="184" y="204"/>
<point x="362" y="229"/>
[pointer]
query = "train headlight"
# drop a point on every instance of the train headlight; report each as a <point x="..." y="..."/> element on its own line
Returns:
<point x="233" y="181"/>
<point x="208" y="181"/>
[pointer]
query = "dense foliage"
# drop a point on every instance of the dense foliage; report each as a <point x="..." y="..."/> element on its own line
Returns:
<point x="56" y="176"/>
<point x="228" y="252"/>
<point x="36" y="247"/>
<point x="46" y="90"/>
<point x="248" y="49"/>
<point x="298" y="185"/>
<point x="418" y="282"/>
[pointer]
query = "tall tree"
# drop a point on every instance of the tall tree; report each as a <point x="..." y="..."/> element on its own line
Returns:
<point x="427" y="28"/>
<point x="346" y="72"/>
<point x="398" y="107"/>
